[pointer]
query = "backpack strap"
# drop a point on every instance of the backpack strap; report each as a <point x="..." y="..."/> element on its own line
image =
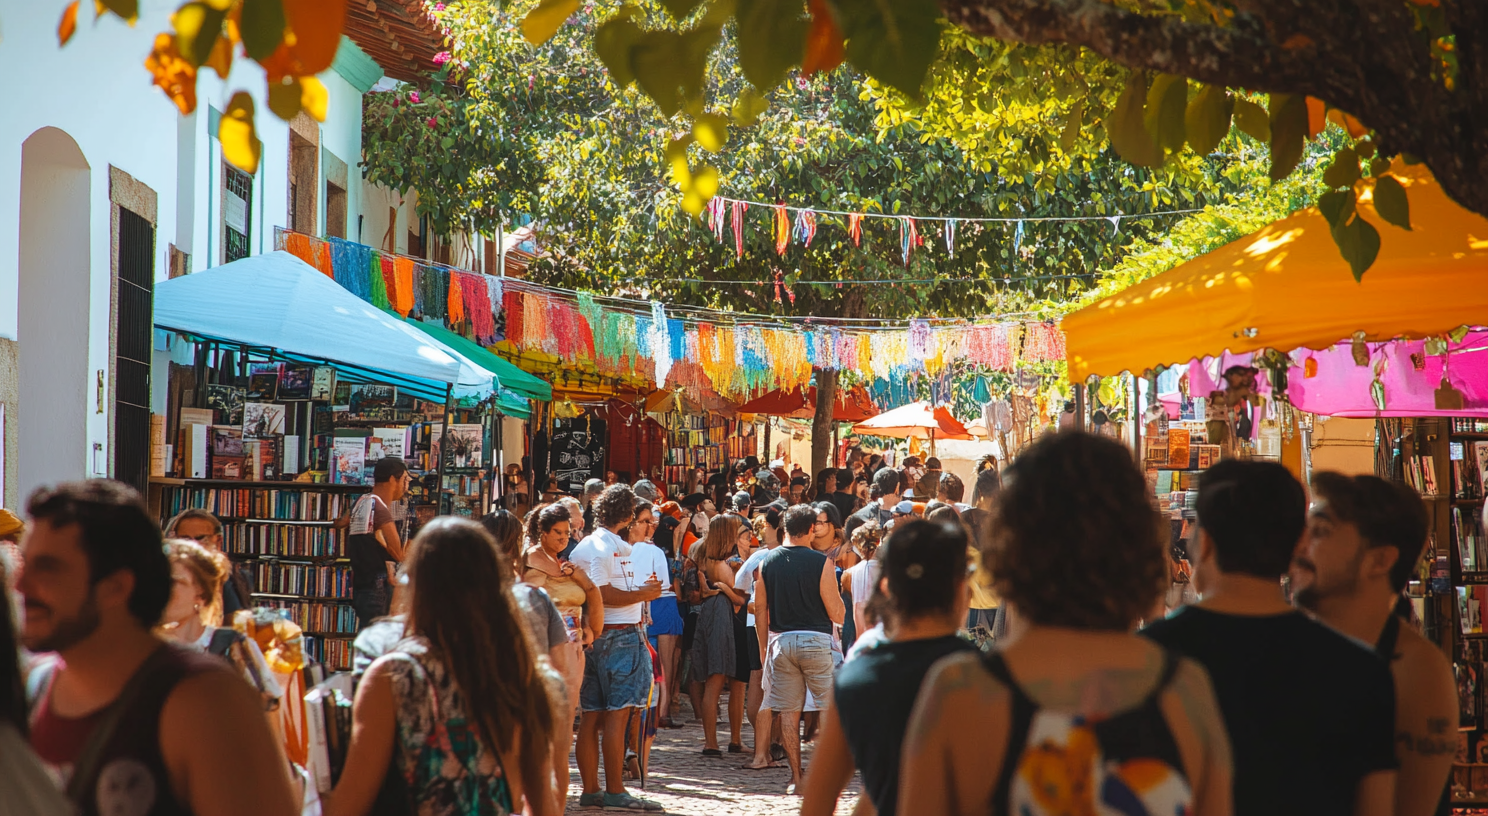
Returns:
<point x="1023" y="708"/>
<point x="222" y="641"/>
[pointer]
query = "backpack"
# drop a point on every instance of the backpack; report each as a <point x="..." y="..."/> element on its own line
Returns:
<point x="692" y="590"/>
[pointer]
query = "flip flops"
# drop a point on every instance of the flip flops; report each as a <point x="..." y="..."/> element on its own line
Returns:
<point x="712" y="752"/>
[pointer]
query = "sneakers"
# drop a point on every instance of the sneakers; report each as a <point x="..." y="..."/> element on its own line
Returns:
<point x="591" y="801"/>
<point x="624" y="801"/>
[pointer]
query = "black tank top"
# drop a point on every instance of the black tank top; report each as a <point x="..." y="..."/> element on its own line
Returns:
<point x="1385" y="648"/>
<point x="1133" y="750"/>
<point x="792" y="577"/>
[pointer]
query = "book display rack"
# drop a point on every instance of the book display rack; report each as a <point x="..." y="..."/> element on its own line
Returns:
<point x="708" y="441"/>
<point x="286" y="539"/>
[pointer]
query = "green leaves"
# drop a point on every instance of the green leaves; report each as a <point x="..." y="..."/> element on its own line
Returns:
<point x="1358" y="241"/>
<point x="893" y="41"/>
<point x="1127" y="127"/>
<point x="262" y="27"/>
<point x="771" y="38"/>
<point x="1344" y="170"/>
<point x="1071" y="129"/>
<point x="748" y="106"/>
<point x="1288" y="133"/>
<point x="1252" y="120"/>
<point x="1391" y="202"/>
<point x="1166" y="101"/>
<point x="1207" y="119"/>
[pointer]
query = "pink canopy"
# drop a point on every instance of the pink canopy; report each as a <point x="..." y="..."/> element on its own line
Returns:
<point x="1340" y="387"/>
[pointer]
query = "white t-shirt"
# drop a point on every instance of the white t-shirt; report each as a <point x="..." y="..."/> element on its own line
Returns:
<point x="744" y="578"/>
<point x="864" y="576"/>
<point x="649" y="560"/>
<point x="606" y="559"/>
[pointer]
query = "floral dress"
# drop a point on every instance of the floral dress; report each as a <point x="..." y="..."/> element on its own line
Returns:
<point x="449" y="771"/>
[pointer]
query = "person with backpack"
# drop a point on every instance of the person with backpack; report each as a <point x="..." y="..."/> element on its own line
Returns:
<point x="128" y="722"/>
<point x="1077" y="711"/>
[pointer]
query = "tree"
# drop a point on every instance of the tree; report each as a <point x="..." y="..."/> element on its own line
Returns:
<point x="591" y="148"/>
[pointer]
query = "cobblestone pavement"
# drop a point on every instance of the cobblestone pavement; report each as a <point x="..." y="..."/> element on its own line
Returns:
<point x="686" y="782"/>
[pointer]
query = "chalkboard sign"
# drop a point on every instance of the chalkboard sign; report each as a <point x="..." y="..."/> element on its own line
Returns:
<point x="577" y="452"/>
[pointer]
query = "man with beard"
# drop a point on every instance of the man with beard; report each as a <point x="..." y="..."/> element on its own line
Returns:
<point x="126" y="722"/>
<point x="1363" y="540"/>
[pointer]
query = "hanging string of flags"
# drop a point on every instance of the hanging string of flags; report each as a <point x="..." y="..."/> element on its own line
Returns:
<point x="723" y="208"/>
<point x="735" y="355"/>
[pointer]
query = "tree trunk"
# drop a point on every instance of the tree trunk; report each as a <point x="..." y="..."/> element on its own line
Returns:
<point x="1365" y="57"/>
<point x="821" y="423"/>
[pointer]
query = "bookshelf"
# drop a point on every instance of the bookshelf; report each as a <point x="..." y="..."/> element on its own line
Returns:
<point x="709" y="441"/>
<point x="1459" y="574"/>
<point x="285" y="537"/>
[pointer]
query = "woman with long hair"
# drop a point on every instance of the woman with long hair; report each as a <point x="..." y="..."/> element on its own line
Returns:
<point x="1080" y="556"/>
<point x="714" y="652"/>
<point x="468" y="726"/>
<point x="549" y="635"/>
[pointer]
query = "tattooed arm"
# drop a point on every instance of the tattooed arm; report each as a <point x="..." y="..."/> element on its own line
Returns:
<point x="1425" y="723"/>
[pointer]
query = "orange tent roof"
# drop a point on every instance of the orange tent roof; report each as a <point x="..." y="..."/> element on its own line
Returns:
<point x="1286" y="287"/>
<point x="851" y="405"/>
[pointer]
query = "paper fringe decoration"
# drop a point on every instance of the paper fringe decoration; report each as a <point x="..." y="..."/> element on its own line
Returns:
<point x="855" y="229"/>
<point x="805" y="226"/>
<point x="737" y="360"/>
<point x="739" y="208"/>
<point x="782" y="230"/>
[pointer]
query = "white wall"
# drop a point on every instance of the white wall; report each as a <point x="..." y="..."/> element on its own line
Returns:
<point x="97" y="92"/>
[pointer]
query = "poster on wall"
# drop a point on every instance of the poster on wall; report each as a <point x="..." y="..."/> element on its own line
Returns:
<point x="576" y="453"/>
<point x="464" y="443"/>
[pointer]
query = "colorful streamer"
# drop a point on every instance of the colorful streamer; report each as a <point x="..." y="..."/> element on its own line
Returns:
<point x="782" y="230"/>
<point x="855" y="228"/>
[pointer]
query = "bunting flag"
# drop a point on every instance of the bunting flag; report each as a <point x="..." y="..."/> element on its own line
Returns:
<point x="1115" y="225"/>
<point x="855" y="228"/>
<point x="950" y="235"/>
<point x="1017" y="237"/>
<point x="714" y="217"/>
<point x="739" y="209"/>
<point x="805" y="226"/>
<point x="909" y="237"/>
<point x="782" y="230"/>
<point x="661" y="341"/>
<point x="735" y="355"/>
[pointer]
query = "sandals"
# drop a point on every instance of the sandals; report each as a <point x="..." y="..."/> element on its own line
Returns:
<point x="712" y="752"/>
<point x="624" y="801"/>
<point x="735" y="748"/>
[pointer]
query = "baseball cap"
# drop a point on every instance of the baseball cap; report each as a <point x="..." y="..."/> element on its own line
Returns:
<point x="904" y="508"/>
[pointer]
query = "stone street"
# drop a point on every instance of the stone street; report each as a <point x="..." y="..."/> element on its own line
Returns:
<point x="686" y="782"/>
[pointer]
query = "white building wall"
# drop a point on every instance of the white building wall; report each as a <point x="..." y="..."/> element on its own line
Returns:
<point x="96" y="91"/>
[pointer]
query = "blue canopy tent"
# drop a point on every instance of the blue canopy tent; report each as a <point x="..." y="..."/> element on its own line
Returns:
<point x="277" y="305"/>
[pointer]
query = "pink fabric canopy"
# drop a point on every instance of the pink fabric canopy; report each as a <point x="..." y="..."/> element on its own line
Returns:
<point x="1342" y="388"/>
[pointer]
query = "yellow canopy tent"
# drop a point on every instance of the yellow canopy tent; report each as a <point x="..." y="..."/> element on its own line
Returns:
<point x="1286" y="287"/>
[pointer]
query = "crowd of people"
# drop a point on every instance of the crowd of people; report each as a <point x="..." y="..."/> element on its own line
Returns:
<point x="1013" y="654"/>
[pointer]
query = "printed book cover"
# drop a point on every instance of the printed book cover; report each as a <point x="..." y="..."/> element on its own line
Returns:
<point x="323" y="383"/>
<point x="263" y="381"/>
<point x="294" y="383"/>
<point x="227" y="401"/>
<point x="227" y="452"/>
<point x="464" y="446"/>
<point x="263" y="419"/>
<point x="348" y="458"/>
<point x="365" y="396"/>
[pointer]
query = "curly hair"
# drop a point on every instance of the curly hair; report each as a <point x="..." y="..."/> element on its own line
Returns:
<point x="615" y="507"/>
<point x="209" y="571"/>
<point x="1076" y="542"/>
<point x="543" y="519"/>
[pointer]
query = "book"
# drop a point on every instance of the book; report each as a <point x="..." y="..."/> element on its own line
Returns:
<point x="261" y="458"/>
<point x="364" y="396"/>
<point x="227" y="401"/>
<point x="290" y="462"/>
<point x="227" y="452"/>
<point x="263" y="419"/>
<point x="196" y="453"/>
<point x="383" y="442"/>
<point x="263" y="382"/>
<point x="348" y="458"/>
<point x="463" y="446"/>
<point x="322" y="383"/>
<point x="341" y="396"/>
<point x="159" y="450"/>
<point x="1178" y="448"/>
<point x="196" y="416"/>
<point x="294" y="382"/>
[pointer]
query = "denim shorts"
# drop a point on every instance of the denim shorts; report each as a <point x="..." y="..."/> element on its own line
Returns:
<point x="795" y="662"/>
<point x="371" y="602"/>
<point x="617" y="672"/>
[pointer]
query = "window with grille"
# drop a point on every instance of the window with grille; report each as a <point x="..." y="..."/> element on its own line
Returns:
<point x="132" y="325"/>
<point x="237" y="209"/>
